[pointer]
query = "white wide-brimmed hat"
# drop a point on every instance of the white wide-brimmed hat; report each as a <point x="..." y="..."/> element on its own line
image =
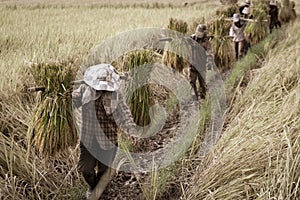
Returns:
<point x="248" y="2"/>
<point x="246" y="10"/>
<point x="236" y="17"/>
<point x="273" y="2"/>
<point x="102" y="77"/>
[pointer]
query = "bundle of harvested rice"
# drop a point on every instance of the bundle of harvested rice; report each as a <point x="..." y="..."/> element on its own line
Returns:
<point x="227" y="11"/>
<point x="258" y="29"/>
<point x="139" y="98"/>
<point x="174" y="54"/>
<point x="178" y="25"/>
<point x="222" y="45"/>
<point x="52" y="128"/>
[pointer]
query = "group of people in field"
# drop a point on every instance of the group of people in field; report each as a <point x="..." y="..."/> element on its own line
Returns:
<point x="104" y="111"/>
<point x="240" y="21"/>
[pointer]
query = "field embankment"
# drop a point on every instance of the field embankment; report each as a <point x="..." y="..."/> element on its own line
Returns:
<point x="258" y="155"/>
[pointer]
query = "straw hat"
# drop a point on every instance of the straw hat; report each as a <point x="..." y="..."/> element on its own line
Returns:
<point x="236" y="17"/>
<point x="102" y="77"/>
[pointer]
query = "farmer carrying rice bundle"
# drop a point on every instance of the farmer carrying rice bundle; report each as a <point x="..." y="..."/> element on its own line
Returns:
<point x="103" y="112"/>
<point x="200" y="36"/>
<point x="237" y="33"/>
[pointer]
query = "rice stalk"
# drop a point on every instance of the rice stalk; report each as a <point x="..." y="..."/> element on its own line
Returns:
<point x="52" y="127"/>
<point x="178" y="25"/>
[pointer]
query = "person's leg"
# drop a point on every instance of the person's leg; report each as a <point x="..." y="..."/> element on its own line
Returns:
<point x="203" y="86"/>
<point x="236" y="48"/>
<point x="193" y="78"/>
<point x="241" y="49"/>
<point x="105" y="162"/>
<point x="86" y="166"/>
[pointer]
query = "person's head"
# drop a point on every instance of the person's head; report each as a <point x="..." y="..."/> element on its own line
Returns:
<point x="200" y="31"/>
<point x="236" y="17"/>
<point x="102" y="77"/>
<point x="246" y="11"/>
<point x="272" y="2"/>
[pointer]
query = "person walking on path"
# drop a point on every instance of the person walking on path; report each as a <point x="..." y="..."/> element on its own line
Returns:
<point x="103" y="111"/>
<point x="237" y="33"/>
<point x="273" y="14"/>
<point x="200" y="36"/>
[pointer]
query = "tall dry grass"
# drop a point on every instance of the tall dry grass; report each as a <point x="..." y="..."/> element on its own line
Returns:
<point x="258" y="156"/>
<point x="41" y="33"/>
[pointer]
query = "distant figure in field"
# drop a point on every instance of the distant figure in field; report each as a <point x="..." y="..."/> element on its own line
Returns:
<point x="246" y="15"/>
<point x="273" y="13"/>
<point x="200" y="36"/>
<point x="237" y="33"/>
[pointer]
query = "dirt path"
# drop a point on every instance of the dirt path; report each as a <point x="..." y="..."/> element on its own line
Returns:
<point x="126" y="186"/>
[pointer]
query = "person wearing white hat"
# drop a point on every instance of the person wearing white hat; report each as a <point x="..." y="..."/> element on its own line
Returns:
<point x="246" y="13"/>
<point x="246" y="4"/>
<point x="103" y="111"/>
<point x="237" y="33"/>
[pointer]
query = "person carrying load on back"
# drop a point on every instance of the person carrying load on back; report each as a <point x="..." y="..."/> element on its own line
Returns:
<point x="103" y="111"/>
<point x="200" y="36"/>
<point x="246" y="15"/>
<point x="273" y="14"/>
<point x="237" y="33"/>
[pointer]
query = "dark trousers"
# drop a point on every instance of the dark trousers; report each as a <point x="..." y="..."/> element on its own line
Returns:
<point x="239" y="49"/>
<point x="193" y="76"/>
<point x="274" y="24"/>
<point x="91" y="168"/>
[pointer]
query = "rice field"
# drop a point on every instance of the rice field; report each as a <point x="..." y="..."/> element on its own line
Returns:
<point x="41" y="31"/>
<point x="35" y="33"/>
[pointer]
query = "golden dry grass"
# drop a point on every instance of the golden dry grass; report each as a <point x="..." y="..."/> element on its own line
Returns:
<point x="32" y="31"/>
<point x="258" y="154"/>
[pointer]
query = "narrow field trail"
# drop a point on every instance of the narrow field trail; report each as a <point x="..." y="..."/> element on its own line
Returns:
<point x="125" y="185"/>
